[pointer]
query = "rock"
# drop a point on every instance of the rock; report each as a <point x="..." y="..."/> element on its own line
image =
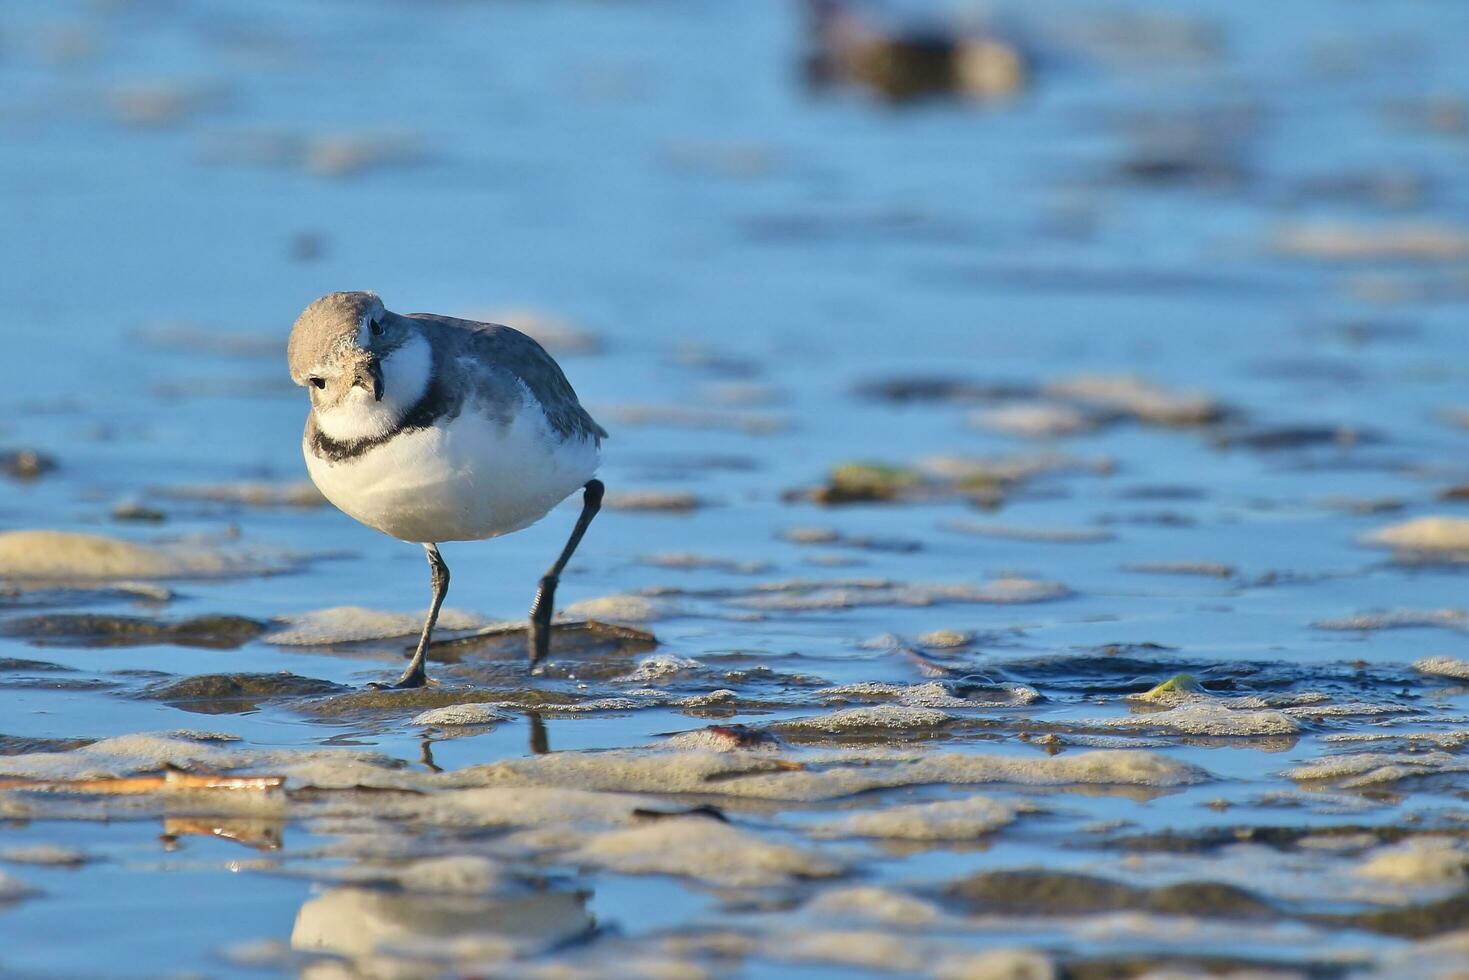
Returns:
<point x="460" y="714"/>
<point x="213" y="694"/>
<point x="1428" y="535"/>
<point x="1443" y="667"/>
<point x="1210" y="569"/>
<point x="301" y="493"/>
<point x="351" y="154"/>
<point x="1430" y="860"/>
<point x="706" y="849"/>
<point x="659" y="667"/>
<point x="802" y="595"/>
<point x="1139" y="399"/>
<point x="865" y="483"/>
<point x="1038" y="535"/>
<point x="939" y="388"/>
<point x="691" y="561"/>
<point x="946" y="639"/>
<point x="725" y="738"/>
<point x="101" y="630"/>
<point x="66" y="556"/>
<point x="1035" y="420"/>
<point x="850" y="44"/>
<point x="886" y="716"/>
<point x="624" y="609"/>
<point x="132" y="510"/>
<point x="1456" y="619"/>
<point x="653" y="500"/>
<point x="851" y="773"/>
<point x="585" y="640"/>
<point x="834" y="538"/>
<point x="25" y="464"/>
<point x="157" y="104"/>
<point x="1280" y="438"/>
<point x="1341" y="242"/>
<point x="1064" y="893"/>
<point x="355" y="624"/>
<point x="1206" y="718"/>
<point x="964" y="819"/>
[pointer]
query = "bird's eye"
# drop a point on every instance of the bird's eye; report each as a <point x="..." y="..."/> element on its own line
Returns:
<point x="375" y="328"/>
<point x="319" y="382"/>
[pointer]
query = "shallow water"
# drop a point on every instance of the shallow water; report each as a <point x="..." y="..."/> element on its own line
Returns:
<point x="754" y="259"/>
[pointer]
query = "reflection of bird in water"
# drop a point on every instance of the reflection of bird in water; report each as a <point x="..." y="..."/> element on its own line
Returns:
<point x="356" y="921"/>
<point x="434" y="429"/>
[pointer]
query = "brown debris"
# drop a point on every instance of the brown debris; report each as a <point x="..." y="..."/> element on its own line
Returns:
<point x="900" y="63"/>
<point x="170" y="780"/>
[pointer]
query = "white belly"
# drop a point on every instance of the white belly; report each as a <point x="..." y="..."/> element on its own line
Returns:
<point x="465" y="479"/>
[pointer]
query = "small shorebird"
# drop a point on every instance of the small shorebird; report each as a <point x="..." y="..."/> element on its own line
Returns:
<point x="433" y="429"/>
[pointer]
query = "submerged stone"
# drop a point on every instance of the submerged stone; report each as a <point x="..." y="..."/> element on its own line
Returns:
<point x="422" y="700"/>
<point x="24" y="745"/>
<point x="865" y="483"/>
<point x="25" y="464"/>
<point x="213" y="694"/>
<point x="905" y="389"/>
<point x="1037" y="892"/>
<point x="569" y="640"/>
<point x="218" y="632"/>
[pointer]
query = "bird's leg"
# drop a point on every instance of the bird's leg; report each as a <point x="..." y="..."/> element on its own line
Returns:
<point x="540" y="741"/>
<point x="414" y="676"/>
<point x="545" y="600"/>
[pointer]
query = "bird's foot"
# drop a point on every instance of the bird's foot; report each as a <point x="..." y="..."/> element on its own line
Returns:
<point x="407" y="682"/>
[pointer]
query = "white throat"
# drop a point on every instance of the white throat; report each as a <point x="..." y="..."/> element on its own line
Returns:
<point x="406" y="375"/>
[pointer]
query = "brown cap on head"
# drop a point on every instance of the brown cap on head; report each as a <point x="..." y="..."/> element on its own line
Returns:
<point x="327" y="328"/>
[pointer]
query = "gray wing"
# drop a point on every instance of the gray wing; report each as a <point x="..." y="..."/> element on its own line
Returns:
<point x="495" y="351"/>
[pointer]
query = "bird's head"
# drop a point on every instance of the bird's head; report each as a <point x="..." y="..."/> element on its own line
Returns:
<point x="337" y="347"/>
<point x="339" y="351"/>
